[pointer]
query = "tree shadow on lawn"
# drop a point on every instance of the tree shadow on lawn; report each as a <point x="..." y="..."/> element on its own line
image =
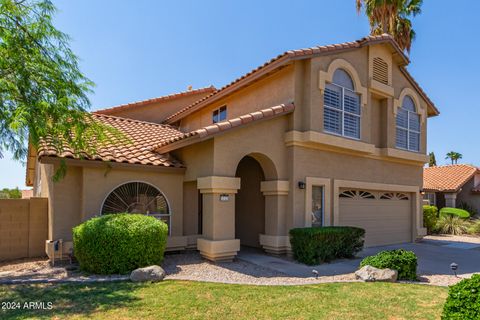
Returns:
<point x="66" y="299"/>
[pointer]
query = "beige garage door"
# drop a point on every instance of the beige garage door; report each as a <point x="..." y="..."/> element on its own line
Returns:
<point x="385" y="216"/>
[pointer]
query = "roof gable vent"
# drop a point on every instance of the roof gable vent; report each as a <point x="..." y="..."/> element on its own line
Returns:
<point x="380" y="70"/>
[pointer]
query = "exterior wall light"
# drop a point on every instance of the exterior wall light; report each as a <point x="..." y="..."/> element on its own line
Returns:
<point x="301" y="185"/>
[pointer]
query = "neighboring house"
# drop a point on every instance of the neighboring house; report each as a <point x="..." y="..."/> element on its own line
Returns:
<point x="329" y="135"/>
<point x="27" y="194"/>
<point x="449" y="186"/>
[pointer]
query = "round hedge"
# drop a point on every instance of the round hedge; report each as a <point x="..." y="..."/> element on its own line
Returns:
<point x="119" y="243"/>
<point x="405" y="262"/>
<point x="463" y="300"/>
<point x="454" y="212"/>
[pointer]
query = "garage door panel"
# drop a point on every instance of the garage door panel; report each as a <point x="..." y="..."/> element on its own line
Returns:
<point x="386" y="221"/>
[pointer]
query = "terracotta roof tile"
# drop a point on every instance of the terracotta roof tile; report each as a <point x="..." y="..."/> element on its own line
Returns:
<point x="143" y="136"/>
<point x="447" y="178"/>
<point x="288" y="55"/>
<point x="232" y="123"/>
<point x="155" y="100"/>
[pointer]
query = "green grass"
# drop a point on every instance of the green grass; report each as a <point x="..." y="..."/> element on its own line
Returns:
<point x="196" y="300"/>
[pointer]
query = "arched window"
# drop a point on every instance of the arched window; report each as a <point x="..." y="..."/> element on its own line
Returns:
<point x="408" y="126"/>
<point x="138" y="197"/>
<point x="341" y="106"/>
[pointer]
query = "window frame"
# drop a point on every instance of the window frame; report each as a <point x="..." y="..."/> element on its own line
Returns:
<point x="407" y="129"/>
<point x="217" y="114"/>
<point x="343" y="112"/>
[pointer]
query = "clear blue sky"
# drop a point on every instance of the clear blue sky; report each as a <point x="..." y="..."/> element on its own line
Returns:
<point x="134" y="50"/>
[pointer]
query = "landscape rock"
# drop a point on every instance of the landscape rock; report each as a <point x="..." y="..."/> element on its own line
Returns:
<point x="369" y="273"/>
<point x="151" y="273"/>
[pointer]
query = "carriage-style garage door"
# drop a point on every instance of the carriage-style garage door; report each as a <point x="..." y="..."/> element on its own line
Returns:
<point x="385" y="216"/>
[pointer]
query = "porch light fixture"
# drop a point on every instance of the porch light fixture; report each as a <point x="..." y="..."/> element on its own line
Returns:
<point x="301" y="185"/>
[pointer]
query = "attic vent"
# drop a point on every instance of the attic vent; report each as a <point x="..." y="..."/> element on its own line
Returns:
<point x="380" y="70"/>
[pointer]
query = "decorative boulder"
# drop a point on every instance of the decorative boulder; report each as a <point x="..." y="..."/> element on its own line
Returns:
<point x="151" y="273"/>
<point x="369" y="273"/>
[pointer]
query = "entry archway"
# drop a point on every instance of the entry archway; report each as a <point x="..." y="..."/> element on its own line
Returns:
<point x="249" y="203"/>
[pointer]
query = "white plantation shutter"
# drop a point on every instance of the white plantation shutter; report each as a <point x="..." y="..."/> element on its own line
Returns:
<point x="408" y="126"/>
<point x="341" y="107"/>
<point x="332" y="97"/>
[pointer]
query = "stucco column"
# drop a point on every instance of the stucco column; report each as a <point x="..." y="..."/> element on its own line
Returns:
<point x="218" y="241"/>
<point x="450" y="199"/>
<point x="275" y="240"/>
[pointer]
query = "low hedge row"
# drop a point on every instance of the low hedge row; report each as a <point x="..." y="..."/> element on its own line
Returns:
<point x="119" y="243"/>
<point x="405" y="262"/>
<point x="322" y="244"/>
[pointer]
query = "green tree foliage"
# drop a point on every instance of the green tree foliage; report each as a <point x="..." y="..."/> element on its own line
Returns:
<point x="454" y="156"/>
<point x="392" y="17"/>
<point x="43" y="94"/>
<point x="432" y="162"/>
<point x="6" y="193"/>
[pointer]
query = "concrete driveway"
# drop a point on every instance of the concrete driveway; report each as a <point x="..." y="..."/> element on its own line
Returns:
<point x="434" y="258"/>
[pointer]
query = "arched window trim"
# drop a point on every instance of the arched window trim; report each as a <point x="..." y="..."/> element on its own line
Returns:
<point x="407" y="129"/>
<point x="170" y="210"/>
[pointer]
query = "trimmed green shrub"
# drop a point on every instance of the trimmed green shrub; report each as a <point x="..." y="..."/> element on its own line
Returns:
<point x="463" y="301"/>
<point x="449" y="224"/>
<point x="405" y="262"/>
<point x="454" y="212"/>
<point x="119" y="243"/>
<point x="322" y="244"/>
<point x="430" y="218"/>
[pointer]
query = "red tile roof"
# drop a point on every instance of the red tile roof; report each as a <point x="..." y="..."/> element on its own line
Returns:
<point x="143" y="135"/>
<point x="155" y="100"/>
<point x="447" y="178"/>
<point x="287" y="56"/>
<point x="230" y="124"/>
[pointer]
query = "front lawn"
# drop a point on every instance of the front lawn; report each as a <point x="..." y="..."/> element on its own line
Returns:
<point x="197" y="300"/>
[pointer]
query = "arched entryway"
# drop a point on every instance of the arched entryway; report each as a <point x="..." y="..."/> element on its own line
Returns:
<point x="249" y="203"/>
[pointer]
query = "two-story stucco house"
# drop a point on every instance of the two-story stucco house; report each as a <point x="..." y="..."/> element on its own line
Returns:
<point x="329" y="135"/>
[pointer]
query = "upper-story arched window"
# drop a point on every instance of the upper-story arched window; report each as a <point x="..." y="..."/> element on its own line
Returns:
<point x="341" y="106"/>
<point x="408" y="126"/>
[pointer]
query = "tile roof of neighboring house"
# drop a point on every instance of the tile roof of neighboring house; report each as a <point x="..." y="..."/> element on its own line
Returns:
<point x="447" y="178"/>
<point x="219" y="127"/>
<point x="155" y="100"/>
<point x="143" y="135"/>
<point x="287" y="56"/>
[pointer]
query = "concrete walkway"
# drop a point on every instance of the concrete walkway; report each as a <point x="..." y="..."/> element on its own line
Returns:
<point x="434" y="258"/>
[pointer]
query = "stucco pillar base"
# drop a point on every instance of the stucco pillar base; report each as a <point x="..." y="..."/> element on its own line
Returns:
<point x="275" y="244"/>
<point x="218" y="250"/>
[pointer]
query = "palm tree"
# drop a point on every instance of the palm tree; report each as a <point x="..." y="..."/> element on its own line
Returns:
<point x="454" y="156"/>
<point x="392" y="17"/>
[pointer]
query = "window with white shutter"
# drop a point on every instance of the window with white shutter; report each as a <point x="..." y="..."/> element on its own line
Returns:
<point x="342" y="112"/>
<point x="408" y="126"/>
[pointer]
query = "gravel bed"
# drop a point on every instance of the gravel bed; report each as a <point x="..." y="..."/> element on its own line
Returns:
<point x="448" y="237"/>
<point x="191" y="266"/>
<point x="185" y="266"/>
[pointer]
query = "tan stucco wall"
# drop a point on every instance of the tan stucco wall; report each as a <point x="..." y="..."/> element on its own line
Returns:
<point x="23" y="228"/>
<point x="80" y="195"/>
<point x="268" y="92"/>
<point x="466" y="195"/>
<point x="157" y="112"/>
